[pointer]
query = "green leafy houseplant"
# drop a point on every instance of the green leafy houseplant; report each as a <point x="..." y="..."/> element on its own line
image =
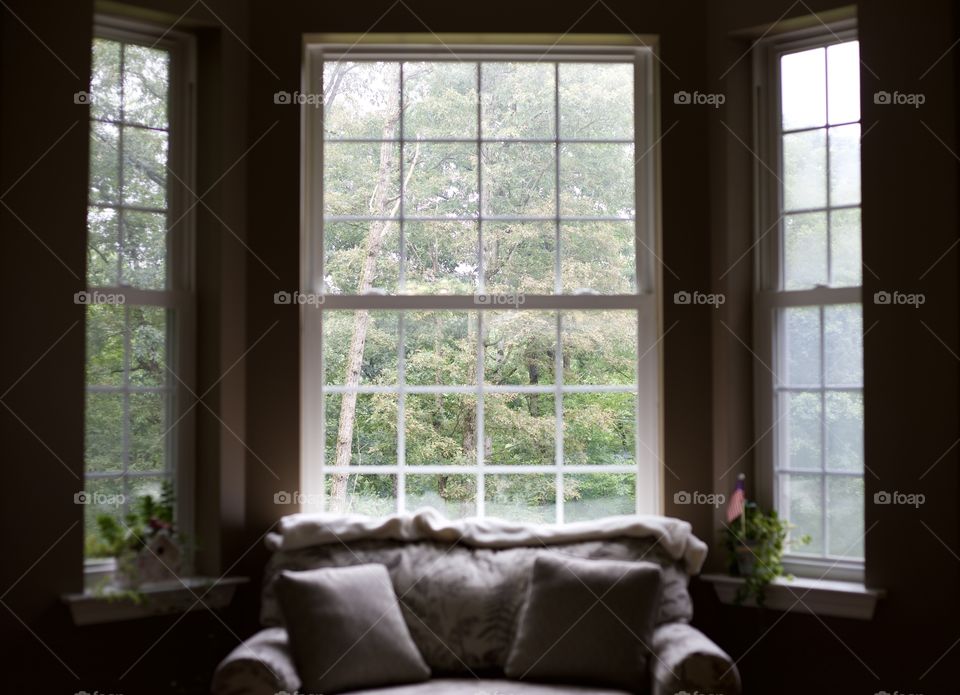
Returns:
<point x="124" y="540"/>
<point x="755" y="544"/>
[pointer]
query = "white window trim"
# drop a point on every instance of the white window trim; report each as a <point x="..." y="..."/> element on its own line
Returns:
<point x="646" y="224"/>
<point x="181" y="345"/>
<point x="768" y="297"/>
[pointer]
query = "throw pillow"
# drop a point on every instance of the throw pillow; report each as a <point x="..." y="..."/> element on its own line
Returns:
<point x="587" y="621"/>
<point x="346" y="631"/>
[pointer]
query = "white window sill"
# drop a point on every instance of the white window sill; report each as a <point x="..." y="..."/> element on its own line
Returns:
<point x="818" y="596"/>
<point x="161" y="598"/>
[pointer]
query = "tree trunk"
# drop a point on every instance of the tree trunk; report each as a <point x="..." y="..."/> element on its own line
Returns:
<point x="379" y="204"/>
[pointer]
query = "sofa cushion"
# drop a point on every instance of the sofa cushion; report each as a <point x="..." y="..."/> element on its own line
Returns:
<point x="587" y="621"/>
<point x="461" y="603"/>
<point x="346" y="630"/>
<point x="475" y="686"/>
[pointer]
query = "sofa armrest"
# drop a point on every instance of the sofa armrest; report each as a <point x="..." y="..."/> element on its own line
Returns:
<point x="260" y="665"/>
<point x="687" y="661"/>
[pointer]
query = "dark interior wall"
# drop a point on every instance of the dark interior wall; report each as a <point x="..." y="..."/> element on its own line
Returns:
<point x="45" y="59"/>
<point x="273" y="387"/>
<point x="909" y="184"/>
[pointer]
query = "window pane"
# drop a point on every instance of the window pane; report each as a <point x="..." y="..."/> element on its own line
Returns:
<point x="148" y="346"/>
<point x="598" y="257"/>
<point x="845" y="165"/>
<point x="361" y="429"/>
<point x="441" y="429"/>
<point x="441" y="347"/>
<point x="805" y="250"/>
<point x="844" y="427"/>
<point x="845" y="516"/>
<point x="104" y="496"/>
<point x="144" y="167"/>
<point x="521" y="497"/>
<point x="441" y="257"/>
<point x="801" y="503"/>
<point x="442" y="179"/>
<point x="141" y="487"/>
<point x="843" y="349"/>
<point x="801" y="346"/>
<point x="145" y="79"/>
<point x="804" y="170"/>
<point x="519" y="347"/>
<point x="599" y="429"/>
<point x="103" y="438"/>
<point x="369" y="337"/>
<point x="103" y="246"/>
<point x="144" y="250"/>
<point x="454" y="496"/>
<point x="801" y="413"/>
<point x="361" y="99"/>
<point x="803" y="89"/>
<point x="845" y="265"/>
<point x="599" y="347"/>
<point x="148" y="429"/>
<point x="105" y="80"/>
<point x="440" y="100"/>
<point x="345" y="256"/>
<point x="843" y="81"/>
<point x="598" y="495"/>
<point x="105" y="344"/>
<point x="519" y="429"/>
<point x="361" y="179"/>
<point x="596" y="101"/>
<point x="519" y="257"/>
<point x="104" y="163"/>
<point x="596" y="180"/>
<point x="518" y="179"/>
<point x="517" y="100"/>
<point x="373" y="495"/>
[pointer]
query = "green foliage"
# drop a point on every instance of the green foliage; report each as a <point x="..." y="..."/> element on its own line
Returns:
<point x="149" y="516"/>
<point x="755" y="544"/>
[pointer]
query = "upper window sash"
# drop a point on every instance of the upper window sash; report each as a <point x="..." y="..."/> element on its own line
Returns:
<point x="645" y="218"/>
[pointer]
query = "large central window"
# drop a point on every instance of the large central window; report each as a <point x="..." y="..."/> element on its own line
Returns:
<point x="479" y="242"/>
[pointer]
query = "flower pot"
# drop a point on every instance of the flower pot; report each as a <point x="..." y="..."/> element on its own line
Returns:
<point x="746" y="558"/>
<point x="127" y="574"/>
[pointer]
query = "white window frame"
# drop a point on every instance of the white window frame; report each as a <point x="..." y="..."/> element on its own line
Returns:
<point x="179" y="297"/>
<point x="769" y="297"/>
<point x="648" y="462"/>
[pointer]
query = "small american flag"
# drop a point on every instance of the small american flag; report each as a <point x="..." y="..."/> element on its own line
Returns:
<point x="737" y="500"/>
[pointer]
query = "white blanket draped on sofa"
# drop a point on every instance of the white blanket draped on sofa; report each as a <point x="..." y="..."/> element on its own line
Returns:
<point x="304" y="530"/>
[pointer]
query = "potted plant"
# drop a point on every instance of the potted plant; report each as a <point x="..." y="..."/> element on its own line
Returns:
<point x="145" y="545"/>
<point x="755" y="544"/>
